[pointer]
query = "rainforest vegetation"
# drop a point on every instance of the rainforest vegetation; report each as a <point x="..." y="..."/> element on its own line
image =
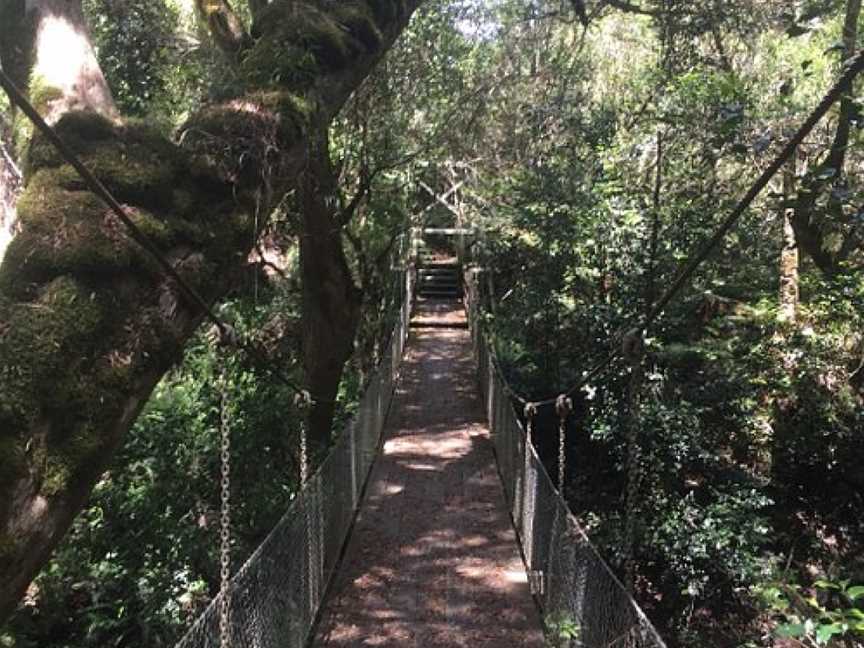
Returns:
<point x="278" y="151"/>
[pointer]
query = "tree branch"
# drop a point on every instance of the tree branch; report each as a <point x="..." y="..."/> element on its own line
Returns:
<point x="629" y="7"/>
<point x="263" y="262"/>
<point x="386" y="251"/>
<point x="224" y="26"/>
<point x="347" y="212"/>
<point x="256" y="7"/>
<point x="808" y="225"/>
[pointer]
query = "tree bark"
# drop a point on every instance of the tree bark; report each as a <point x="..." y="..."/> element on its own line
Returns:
<point x="331" y="301"/>
<point x="46" y="46"/>
<point x="10" y="185"/>
<point x="88" y="323"/>
<point x="225" y="26"/>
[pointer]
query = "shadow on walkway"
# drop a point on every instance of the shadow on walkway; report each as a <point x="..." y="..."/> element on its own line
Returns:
<point x="432" y="560"/>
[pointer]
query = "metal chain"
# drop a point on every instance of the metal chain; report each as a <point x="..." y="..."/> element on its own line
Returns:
<point x="303" y="401"/>
<point x="563" y="407"/>
<point x="225" y="519"/>
<point x="633" y="350"/>
<point x="304" y="456"/>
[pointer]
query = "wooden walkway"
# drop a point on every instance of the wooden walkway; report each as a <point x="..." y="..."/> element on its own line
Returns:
<point x="433" y="560"/>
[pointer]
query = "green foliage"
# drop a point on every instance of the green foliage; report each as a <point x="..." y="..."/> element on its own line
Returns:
<point x="157" y="61"/>
<point x="134" y="39"/>
<point x="561" y="630"/>
<point x="826" y="614"/>
<point x="616" y="170"/>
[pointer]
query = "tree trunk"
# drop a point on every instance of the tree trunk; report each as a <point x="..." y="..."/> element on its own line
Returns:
<point x="331" y="301"/>
<point x="788" y="252"/>
<point x="88" y="322"/>
<point x="10" y="185"/>
<point x="47" y="46"/>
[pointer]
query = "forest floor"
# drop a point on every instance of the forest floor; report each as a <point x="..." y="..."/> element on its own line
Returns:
<point x="432" y="560"/>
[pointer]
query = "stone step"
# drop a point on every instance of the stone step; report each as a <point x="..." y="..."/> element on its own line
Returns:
<point x="434" y="272"/>
<point x="439" y="280"/>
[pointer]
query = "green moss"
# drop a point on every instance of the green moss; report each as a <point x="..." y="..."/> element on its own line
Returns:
<point x="45" y="342"/>
<point x="275" y="60"/>
<point x="85" y="126"/>
<point x="134" y="162"/>
<point x="152" y="227"/>
<point x="71" y="452"/>
<point x="70" y="230"/>
<point x="56" y="476"/>
<point x="299" y="112"/>
<point x="64" y="231"/>
<point x="80" y="130"/>
<point x="50" y="369"/>
<point x="42" y="94"/>
<point x="292" y="50"/>
<point x="135" y="172"/>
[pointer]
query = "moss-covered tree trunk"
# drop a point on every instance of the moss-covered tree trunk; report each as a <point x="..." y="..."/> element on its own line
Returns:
<point x="88" y="323"/>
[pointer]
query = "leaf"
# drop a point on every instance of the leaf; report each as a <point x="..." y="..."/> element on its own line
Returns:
<point x="825" y="632"/>
<point x="790" y="630"/>
<point x="855" y="592"/>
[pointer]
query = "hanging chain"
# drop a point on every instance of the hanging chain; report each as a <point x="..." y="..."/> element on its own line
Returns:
<point x="304" y="456"/>
<point x="633" y="351"/>
<point x="225" y="518"/>
<point x="563" y="407"/>
<point x="303" y="402"/>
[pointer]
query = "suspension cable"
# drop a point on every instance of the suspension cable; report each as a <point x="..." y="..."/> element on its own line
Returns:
<point x="135" y="233"/>
<point x="853" y="68"/>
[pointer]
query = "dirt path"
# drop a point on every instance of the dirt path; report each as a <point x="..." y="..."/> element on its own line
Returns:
<point x="433" y="560"/>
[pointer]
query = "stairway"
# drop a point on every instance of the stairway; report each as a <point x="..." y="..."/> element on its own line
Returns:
<point x="439" y="280"/>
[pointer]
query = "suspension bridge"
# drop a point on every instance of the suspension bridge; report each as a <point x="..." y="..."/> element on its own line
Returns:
<point x="432" y="522"/>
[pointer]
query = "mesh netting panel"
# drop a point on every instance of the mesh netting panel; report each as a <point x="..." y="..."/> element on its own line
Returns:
<point x="584" y="605"/>
<point x="275" y="595"/>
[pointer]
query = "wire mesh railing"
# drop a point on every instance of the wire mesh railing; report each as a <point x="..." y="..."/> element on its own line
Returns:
<point x="275" y="596"/>
<point x="584" y="605"/>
